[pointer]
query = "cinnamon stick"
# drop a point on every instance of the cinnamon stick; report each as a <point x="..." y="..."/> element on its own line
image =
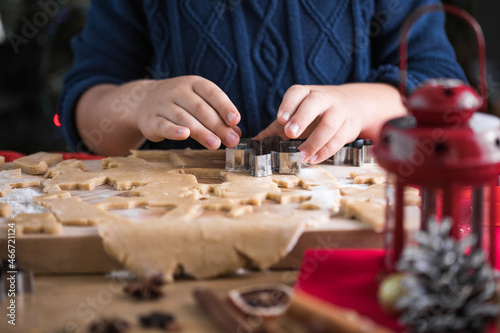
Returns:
<point x="220" y="312"/>
<point x="307" y="308"/>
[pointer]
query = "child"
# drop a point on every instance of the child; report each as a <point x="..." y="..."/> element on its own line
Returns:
<point x="162" y="73"/>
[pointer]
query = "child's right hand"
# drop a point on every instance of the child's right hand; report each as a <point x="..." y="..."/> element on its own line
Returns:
<point x="188" y="106"/>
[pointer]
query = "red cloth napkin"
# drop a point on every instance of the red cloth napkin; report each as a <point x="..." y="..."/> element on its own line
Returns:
<point x="81" y="156"/>
<point x="349" y="278"/>
<point x="12" y="155"/>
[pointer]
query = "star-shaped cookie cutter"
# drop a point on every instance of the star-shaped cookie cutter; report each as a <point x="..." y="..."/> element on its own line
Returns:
<point x="264" y="157"/>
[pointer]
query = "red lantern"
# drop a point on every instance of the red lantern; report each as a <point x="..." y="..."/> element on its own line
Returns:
<point x="444" y="148"/>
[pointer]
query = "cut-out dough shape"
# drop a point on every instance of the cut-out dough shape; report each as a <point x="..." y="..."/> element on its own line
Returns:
<point x="242" y="189"/>
<point x="12" y="179"/>
<point x="368" y="205"/>
<point x="364" y="177"/>
<point x="125" y="173"/>
<point x="203" y="247"/>
<point x="180" y="192"/>
<point x="372" y="213"/>
<point x="71" y="175"/>
<point x="38" y="163"/>
<point x="38" y="200"/>
<point x="376" y="193"/>
<point x="239" y="188"/>
<point x="73" y="211"/>
<point x="2" y="161"/>
<point x="320" y="188"/>
<point x="5" y="209"/>
<point x="323" y="188"/>
<point x="40" y="223"/>
<point x="230" y="208"/>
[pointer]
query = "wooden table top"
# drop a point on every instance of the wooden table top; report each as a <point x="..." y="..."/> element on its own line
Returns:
<point x="68" y="303"/>
<point x="71" y="302"/>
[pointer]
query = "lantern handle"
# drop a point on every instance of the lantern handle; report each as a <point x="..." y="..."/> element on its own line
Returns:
<point x="481" y="45"/>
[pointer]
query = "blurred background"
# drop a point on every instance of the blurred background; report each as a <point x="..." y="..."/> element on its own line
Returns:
<point x="33" y="62"/>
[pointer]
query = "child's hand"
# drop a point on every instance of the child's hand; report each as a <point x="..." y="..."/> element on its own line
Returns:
<point x="189" y="106"/>
<point x="331" y="116"/>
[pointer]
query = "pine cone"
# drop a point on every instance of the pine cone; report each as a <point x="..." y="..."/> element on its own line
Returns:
<point x="449" y="289"/>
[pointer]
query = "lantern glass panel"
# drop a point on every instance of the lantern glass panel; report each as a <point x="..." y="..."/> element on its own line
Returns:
<point x="471" y="207"/>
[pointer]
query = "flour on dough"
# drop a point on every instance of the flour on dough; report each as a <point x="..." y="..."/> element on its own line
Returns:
<point x="12" y="179"/>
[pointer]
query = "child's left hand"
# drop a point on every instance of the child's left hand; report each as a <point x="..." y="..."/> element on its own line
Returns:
<point x="331" y="116"/>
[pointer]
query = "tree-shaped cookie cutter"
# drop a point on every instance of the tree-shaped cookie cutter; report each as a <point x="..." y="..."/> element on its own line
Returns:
<point x="264" y="157"/>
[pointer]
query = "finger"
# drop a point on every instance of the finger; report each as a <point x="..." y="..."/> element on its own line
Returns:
<point x="272" y="130"/>
<point x="208" y="117"/>
<point x="324" y="132"/>
<point x="237" y="130"/>
<point x="314" y="105"/>
<point x="218" y="100"/>
<point x="292" y="99"/>
<point x="165" y="129"/>
<point x="198" y="131"/>
<point x="342" y="137"/>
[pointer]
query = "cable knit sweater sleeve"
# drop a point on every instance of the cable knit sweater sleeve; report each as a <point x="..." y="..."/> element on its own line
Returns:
<point x="113" y="48"/>
<point x="430" y="54"/>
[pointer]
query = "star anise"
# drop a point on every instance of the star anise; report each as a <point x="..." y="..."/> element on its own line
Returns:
<point x="149" y="288"/>
<point x="163" y="320"/>
<point x="109" y="325"/>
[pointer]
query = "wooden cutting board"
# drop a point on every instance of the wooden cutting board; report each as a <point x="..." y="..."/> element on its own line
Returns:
<point x="79" y="250"/>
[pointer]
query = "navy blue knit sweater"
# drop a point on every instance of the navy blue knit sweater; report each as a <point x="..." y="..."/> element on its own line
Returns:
<point x="253" y="49"/>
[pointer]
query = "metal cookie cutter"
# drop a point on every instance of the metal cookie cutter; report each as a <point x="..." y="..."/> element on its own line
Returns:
<point x="368" y="154"/>
<point x="238" y="158"/>
<point x="261" y="164"/>
<point x="264" y="157"/>
<point x="287" y="159"/>
<point x="351" y="154"/>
